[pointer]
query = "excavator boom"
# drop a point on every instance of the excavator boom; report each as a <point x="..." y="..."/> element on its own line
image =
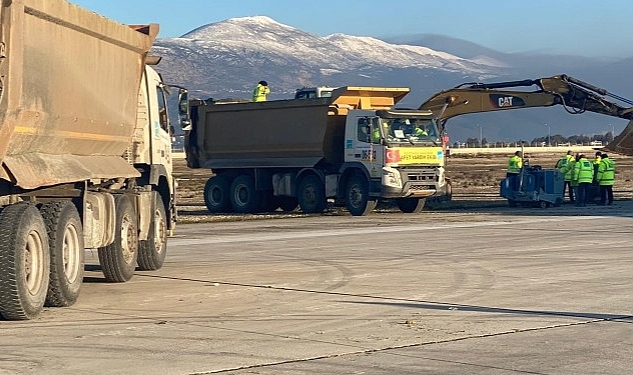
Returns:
<point x="574" y="95"/>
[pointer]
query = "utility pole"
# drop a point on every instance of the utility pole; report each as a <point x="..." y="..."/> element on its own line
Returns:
<point x="481" y="136"/>
<point x="549" y="135"/>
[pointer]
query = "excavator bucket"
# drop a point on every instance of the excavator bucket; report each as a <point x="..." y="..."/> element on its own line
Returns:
<point x="623" y="143"/>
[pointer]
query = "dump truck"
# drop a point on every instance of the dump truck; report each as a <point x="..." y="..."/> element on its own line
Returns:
<point x="84" y="152"/>
<point x="352" y="148"/>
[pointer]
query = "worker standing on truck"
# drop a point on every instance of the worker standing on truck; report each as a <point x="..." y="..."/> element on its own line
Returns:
<point x="260" y="91"/>
<point x="565" y="165"/>
<point x="606" y="178"/>
<point x="583" y="170"/>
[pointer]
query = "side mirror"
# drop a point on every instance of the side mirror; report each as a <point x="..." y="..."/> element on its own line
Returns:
<point x="183" y="109"/>
<point x="183" y="102"/>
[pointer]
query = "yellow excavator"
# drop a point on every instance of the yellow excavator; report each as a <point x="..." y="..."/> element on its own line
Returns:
<point x="574" y="95"/>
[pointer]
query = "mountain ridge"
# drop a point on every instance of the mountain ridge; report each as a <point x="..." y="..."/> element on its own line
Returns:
<point x="224" y="60"/>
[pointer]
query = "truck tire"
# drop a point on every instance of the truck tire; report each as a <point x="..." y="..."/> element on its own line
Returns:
<point x="410" y="205"/>
<point x="24" y="262"/>
<point x="66" y="243"/>
<point x="311" y="195"/>
<point x="151" y="253"/>
<point x="287" y="204"/>
<point x="244" y="198"/>
<point x="118" y="260"/>
<point x="357" y="196"/>
<point x="216" y="194"/>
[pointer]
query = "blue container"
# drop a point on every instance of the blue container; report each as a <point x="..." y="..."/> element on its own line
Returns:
<point x="543" y="187"/>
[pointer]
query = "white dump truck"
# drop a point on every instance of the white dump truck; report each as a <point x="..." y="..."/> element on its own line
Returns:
<point x="352" y="147"/>
<point x="84" y="152"/>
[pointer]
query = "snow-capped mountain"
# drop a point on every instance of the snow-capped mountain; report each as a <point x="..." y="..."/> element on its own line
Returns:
<point x="226" y="59"/>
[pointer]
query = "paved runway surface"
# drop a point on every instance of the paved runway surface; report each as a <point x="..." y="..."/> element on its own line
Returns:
<point x="498" y="291"/>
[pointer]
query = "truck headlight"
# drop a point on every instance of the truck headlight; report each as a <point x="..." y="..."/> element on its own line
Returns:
<point x="391" y="177"/>
<point x="440" y="176"/>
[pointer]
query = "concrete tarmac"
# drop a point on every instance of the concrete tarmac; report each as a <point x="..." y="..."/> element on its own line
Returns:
<point x="496" y="291"/>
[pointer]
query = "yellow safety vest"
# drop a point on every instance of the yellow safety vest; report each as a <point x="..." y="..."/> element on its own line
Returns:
<point x="606" y="172"/>
<point x="260" y="92"/>
<point x="583" y="171"/>
<point x="514" y="164"/>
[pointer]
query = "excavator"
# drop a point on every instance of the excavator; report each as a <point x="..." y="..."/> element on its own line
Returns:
<point x="574" y="95"/>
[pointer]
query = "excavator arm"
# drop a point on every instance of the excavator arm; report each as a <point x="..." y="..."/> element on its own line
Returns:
<point x="574" y="95"/>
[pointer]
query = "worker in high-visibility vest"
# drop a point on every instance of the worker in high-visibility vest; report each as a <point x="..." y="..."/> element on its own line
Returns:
<point x="260" y="91"/>
<point x="596" y="165"/>
<point x="606" y="178"/>
<point x="514" y="169"/>
<point x="565" y="166"/>
<point x="574" y="178"/>
<point x="583" y="171"/>
<point x="514" y="164"/>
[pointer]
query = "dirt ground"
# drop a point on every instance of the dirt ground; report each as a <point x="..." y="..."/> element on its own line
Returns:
<point x="475" y="180"/>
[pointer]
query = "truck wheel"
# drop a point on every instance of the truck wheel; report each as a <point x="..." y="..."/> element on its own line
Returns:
<point x="118" y="260"/>
<point x="24" y="262"/>
<point x="66" y="242"/>
<point x="311" y="195"/>
<point x="216" y="194"/>
<point x="357" y="196"/>
<point x="151" y="253"/>
<point x="244" y="198"/>
<point x="287" y="204"/>
<point x="410" y="205"/>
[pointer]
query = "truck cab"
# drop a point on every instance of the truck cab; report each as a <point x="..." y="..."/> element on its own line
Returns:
<point x="314" y="92"/>
<point x="400" y="151"/>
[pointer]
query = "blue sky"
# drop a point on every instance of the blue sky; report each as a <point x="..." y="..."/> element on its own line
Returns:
<point x="583" y="27"/>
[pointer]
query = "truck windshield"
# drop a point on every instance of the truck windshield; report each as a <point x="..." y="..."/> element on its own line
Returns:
<point x="411" y="130"/>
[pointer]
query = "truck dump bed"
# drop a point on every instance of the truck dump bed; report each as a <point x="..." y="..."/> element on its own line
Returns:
<point x="282" y="133"/>
<point x="70" y="92"/>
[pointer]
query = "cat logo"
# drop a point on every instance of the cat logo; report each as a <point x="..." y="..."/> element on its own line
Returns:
<point x="505" y="101"/>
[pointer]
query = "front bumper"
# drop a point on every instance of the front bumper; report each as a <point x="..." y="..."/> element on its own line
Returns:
<point x="414" y="182"/>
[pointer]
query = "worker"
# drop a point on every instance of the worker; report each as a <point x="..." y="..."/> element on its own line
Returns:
<point x="570" y="156"/>
<point x="376" y="135"/>
<point x="420" y="131"/>
<point x="565" y="167"/>
<point x="583" y="170"/>
<point x="573" y="183"/>
<point x="514" y="164"/>
<point x="606" y="178"/>
<point x="596" y="165"/>
<point x="514" y="169"/>
<point x="260" y="91"/>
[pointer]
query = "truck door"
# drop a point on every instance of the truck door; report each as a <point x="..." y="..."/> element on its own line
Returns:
<point x="367" y="145"/>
